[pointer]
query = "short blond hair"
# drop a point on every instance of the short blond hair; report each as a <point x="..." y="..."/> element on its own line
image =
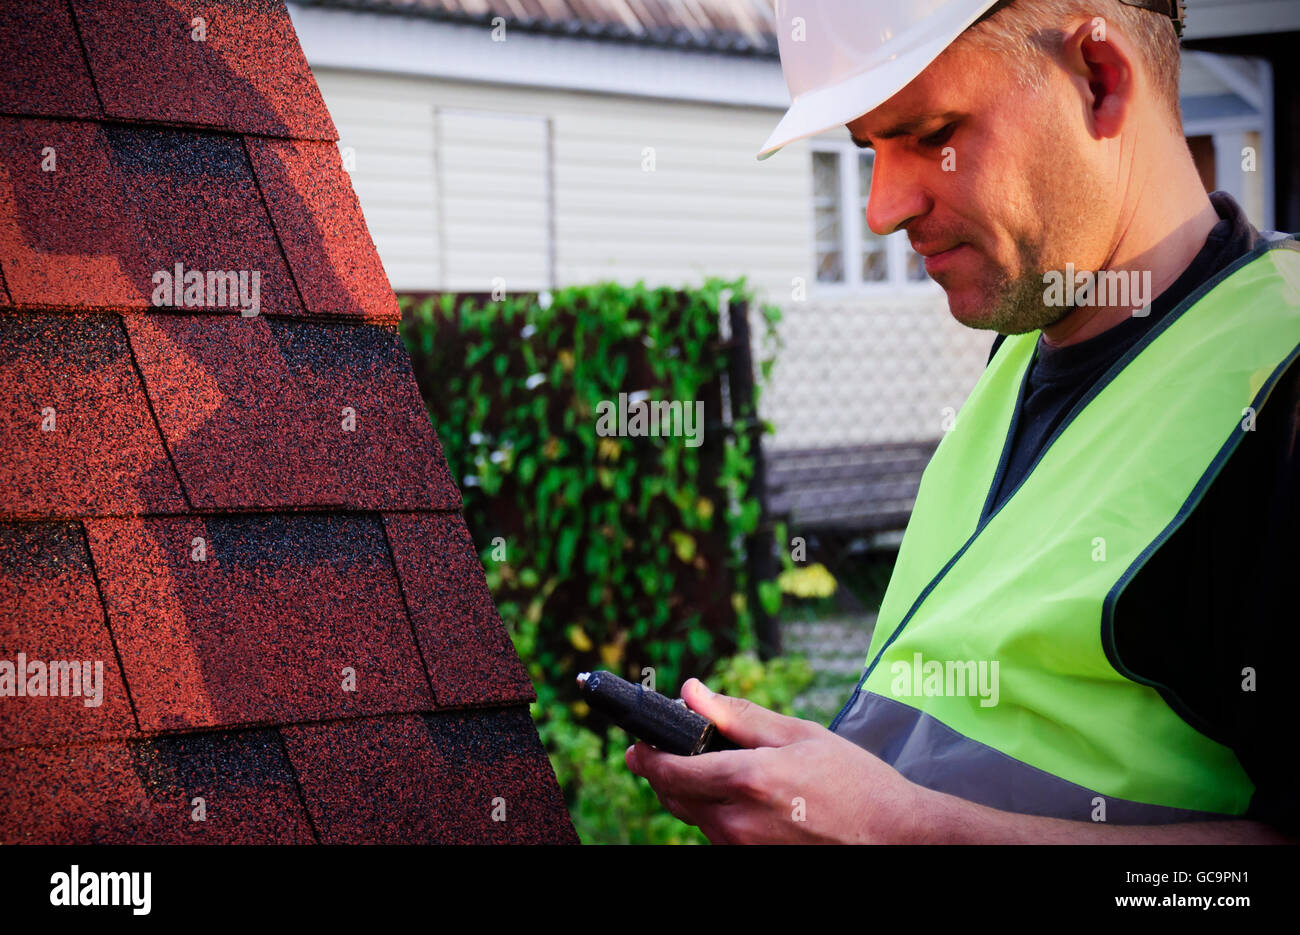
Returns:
<point x="1026" y="31"/>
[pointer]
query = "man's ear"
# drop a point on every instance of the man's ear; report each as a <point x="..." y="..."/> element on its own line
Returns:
<point x="1103" y="65"/>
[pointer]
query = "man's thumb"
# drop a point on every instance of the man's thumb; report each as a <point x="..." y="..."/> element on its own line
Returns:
<point x="741" y="720"/>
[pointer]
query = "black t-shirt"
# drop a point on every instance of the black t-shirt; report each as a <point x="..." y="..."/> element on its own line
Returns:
<point x="1217" y="597"/>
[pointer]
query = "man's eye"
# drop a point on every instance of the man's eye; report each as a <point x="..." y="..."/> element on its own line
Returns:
<point x="938" y="139"/>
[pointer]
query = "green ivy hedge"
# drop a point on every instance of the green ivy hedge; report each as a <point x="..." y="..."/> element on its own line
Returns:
<point x="602" y="552"/>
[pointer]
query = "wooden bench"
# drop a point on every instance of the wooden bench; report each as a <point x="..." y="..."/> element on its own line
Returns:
<point x="866" y="488"/>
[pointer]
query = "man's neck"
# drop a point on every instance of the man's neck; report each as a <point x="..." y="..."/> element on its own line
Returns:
<point x="1161" y="232"/>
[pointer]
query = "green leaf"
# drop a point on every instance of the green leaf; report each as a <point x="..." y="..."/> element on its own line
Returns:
<point x="699" y="641"/>
<point x="568" y="541"/>
<point x="683" y="545"/>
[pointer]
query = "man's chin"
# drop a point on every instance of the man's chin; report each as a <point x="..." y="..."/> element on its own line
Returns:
<point x="1007" y="308"/>
<point x="971" y="308"/>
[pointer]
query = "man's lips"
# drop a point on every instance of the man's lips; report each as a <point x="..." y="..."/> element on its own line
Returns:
<point x="937" y="259"/>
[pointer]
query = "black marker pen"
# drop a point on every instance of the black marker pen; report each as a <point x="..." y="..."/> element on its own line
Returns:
<point x="649" y="716"/>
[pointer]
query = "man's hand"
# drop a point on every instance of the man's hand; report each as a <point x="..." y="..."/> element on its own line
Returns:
<point x="798" y="782"/>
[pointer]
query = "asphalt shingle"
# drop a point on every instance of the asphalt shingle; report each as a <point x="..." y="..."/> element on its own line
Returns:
<point x="465" y="645"/>
<point x="231" y="412"/>
<point x="194" y="202"/>
<point x="334" y="263"/>
<point x="50" y="615"/>
<point x="223" y="788"/>
<point x="439" y="779"/>
<point x="264" y="619"/>
<point x="364" y="416"/>
<point x="76" y="434"/>
<point x="63" y="242"/>
<point x="231" y="64"/>
<point x="263" y="414"/>
<point x="42" y="70"/>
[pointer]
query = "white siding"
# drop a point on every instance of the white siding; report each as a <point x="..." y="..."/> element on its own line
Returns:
<point x="1208" y="76"/>
<point x="707" y="208"/>
<point x="494" y="210"/>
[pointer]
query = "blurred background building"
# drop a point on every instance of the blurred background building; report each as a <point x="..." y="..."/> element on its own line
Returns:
<point x="595" y="139"/>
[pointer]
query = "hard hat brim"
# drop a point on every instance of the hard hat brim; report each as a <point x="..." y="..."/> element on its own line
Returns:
<point x="841" y="103"/>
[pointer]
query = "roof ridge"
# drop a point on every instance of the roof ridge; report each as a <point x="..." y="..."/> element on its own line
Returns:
<point x="755" y="35"/>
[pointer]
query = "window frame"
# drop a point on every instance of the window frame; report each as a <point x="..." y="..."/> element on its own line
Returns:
<point x="897" y="246"/>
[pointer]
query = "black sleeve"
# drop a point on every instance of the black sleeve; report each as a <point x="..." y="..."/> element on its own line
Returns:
<point x="1216" y="603"/>
<point x="1263" y="732"/>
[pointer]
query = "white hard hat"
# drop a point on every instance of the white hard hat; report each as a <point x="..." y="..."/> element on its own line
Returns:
<point x="847" y="57"/>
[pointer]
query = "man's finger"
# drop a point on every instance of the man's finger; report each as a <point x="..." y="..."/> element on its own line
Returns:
<point x="705" y="778"/>
<point x="746" y="723"/>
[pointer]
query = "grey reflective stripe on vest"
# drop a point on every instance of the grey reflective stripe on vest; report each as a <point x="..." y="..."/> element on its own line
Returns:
<point x="933" y="755"/>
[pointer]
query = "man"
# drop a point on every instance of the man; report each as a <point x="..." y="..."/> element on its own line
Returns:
<point x="1086" y="616"/>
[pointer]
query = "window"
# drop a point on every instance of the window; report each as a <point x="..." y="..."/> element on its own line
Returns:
<point x="826" y="210"/>
<point x="848" y="254"/>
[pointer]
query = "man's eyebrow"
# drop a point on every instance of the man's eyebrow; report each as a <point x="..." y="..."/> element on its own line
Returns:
<point x="903" y="128"/>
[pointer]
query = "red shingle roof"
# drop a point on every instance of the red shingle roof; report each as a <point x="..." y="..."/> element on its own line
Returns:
<point x="236" y="512"/>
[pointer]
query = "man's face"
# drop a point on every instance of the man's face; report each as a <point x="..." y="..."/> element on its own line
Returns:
<point x="1010" y="175"/>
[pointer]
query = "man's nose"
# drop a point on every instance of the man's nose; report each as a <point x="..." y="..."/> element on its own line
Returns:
<point x="895" y="196"/>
